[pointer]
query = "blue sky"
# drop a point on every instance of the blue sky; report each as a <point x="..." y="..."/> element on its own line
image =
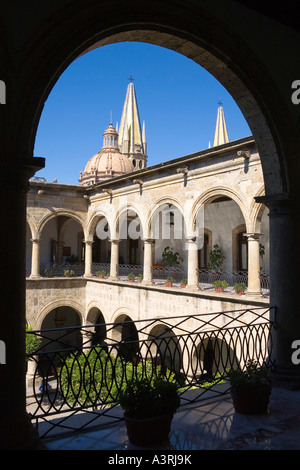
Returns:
<point x="177" y="99"/>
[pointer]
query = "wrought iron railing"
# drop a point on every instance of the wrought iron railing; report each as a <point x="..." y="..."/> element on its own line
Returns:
<point x="60" y="270"/>
<point x="207" y="277"/>
<point x="78" y="372"/>
<point x="160" y="274"/>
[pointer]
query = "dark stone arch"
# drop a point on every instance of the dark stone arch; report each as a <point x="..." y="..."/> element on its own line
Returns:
<point x="98" y="333"/>
<point x="213" y="44"/>
<point x="126" y="335"/>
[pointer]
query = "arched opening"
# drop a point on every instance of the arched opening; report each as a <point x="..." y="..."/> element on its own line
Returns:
<point x="211" y="357"/>
<point x="126" y="338"/>
<point x="131" y="245"/>
<point x="98" y="334"/>
<point x="222" y="245"/>
<point x="99" y="232"/>
<point x="61" y="246"/>
<point x="165" y="350"/>
<point x="62" y="335"/>
<point x="221" y="216"/>
<point x="168" y="230"/>
<point x="231" y="78"/>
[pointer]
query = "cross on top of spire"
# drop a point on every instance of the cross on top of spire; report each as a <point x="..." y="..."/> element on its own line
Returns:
<point x="131" y="79"/>
<point x="220" y="103"/>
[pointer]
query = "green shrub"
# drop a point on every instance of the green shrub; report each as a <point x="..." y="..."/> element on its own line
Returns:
<point x="102" y="272"/>
<point x="69" y="272"/>
<point x="239" y="286"/>
<point x="95" y="377"/>
<point x="171" y="257"/>
<point x="32" y="343"/>
<point x="253" y="377"/>
<point x="220" y="283"/>
<point x="149" y="397"/>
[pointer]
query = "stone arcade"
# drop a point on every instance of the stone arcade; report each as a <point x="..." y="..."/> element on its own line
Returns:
<point x="190" y="204"/>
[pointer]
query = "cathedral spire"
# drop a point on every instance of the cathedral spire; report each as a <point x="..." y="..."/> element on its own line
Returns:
<point x="132" y="140"/>
<point x="221" y="135"/>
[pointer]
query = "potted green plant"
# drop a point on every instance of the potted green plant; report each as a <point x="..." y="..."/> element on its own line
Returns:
<point x="149" y="406"/>
<point x="169" y="281"/>
<point x="140" y="277"/>
<point x="49" y="272"/>
<point x="239" y="288"/>
<point x="101" y="274"/>
<point x="183" y="283"/>
<point x="220" y="285"/>
<point x="216" y="259"/>
<point x="68" y="272"/>
<point x="250" y="388"/>
<point x="171" y="257"/>
<point x="131" y="277"/>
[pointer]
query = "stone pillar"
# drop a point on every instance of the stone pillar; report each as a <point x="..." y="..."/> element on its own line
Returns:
<point x="87" y="336"/>
<point x="35" y="259"/>
<point x="193" y="277"/>
<point x="284" y="259"/>
<point x="147" y="273"/>
<point x="16" y="429"/>
<point x="60" y="252"/>
<point x="114" y="259"/>
<point x="253" y="264"/>
<point x="88" y="258"/>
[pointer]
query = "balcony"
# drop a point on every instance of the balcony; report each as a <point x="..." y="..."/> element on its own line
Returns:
<point x="160" y="275"/>
<point x="69" y="409"/>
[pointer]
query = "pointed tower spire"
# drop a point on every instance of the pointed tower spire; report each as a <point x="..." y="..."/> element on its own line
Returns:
<point x="132" y="141"/>
<point x="144" y="138"/>
<point x="221" y="135"/>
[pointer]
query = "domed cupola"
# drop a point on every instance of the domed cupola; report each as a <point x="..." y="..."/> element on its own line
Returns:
<point x="108" y="163"/>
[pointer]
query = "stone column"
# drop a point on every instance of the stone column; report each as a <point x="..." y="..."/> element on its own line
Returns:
<point x="16" y="429"/>
<point x="87" y="336"/>
<point x="88" y="258"/>
<point x="147" y="272"/>
<point x="35" y="259"/>
<point x="284" y="297"/>
<point x="60" y="251"/>
<point x="253" y="264"/>
<point x="193" y="277"/>
<point x="114" y="259"/>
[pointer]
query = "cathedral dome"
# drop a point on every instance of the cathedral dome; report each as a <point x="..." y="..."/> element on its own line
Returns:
<point x="108" y="163"/>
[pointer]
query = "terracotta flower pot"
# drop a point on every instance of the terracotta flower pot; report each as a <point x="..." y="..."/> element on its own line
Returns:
<point x="168" y="284"/>
<point x="148" y="431"/>
<point x="251" y="402"/>
<point x="219" y="289"/>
